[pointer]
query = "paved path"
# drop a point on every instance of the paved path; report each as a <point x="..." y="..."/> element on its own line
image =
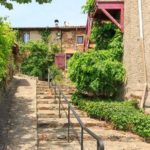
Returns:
<point x="22" y="133"/>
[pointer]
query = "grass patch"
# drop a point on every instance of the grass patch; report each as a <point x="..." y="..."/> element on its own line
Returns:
<point x="123" y="115"/>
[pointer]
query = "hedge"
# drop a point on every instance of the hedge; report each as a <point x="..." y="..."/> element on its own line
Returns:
<point x="123" y="115"/>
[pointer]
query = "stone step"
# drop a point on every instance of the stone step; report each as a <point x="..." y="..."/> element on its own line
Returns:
<point x="61" y="122"/>
<point x="46" y="101"/>
<point x="91" y="145"/>
<point x="42" y="82"/>
<point x="43" y="93"/>
<point x="58" y="145"/>
<point x="52" y="106"/>
<point x="45" y="96"/>
<point x="54" y="134"/>
<point x="42" y="88"/>
<point x="54" y="113"/>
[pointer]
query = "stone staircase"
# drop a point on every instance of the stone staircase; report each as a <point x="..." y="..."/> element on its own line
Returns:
<point x="52" y="130"/>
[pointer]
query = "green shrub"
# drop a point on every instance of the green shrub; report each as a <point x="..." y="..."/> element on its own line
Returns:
<point x="7" y="39"/>
<point x="38" y="59"/>
<point x="123" y="115"/>
<point x="103" y="34"/>
<point x="55" y="72"/>
<point x="96" y="72"/>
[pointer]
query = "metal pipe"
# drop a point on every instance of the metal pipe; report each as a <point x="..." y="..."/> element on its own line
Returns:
<point x="140" y="18"/>
<point x="143" y="51"/>
<point x="59" y="104"/>
<point x="48" y="79"/>
<point x="81" y="138"/>
<point x="68" y="123"/>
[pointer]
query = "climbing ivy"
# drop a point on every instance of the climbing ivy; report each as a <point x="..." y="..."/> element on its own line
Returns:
<point x="45" y="35"/>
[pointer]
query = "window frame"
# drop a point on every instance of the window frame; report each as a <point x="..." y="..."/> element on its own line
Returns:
<point x="77" y="41"/>
<point x="23" y="36"/>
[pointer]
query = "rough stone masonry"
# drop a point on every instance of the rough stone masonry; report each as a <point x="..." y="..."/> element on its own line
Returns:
<point x="133" y="56"/>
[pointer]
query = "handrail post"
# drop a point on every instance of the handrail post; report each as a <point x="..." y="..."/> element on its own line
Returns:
<point x="81" y="138"/>
<point x="68" y="123"/>
<point x="48" y="79"/>
<point x="55" y="91"/>
<point x="59" y="103"/>
<point x="98" y="146"/>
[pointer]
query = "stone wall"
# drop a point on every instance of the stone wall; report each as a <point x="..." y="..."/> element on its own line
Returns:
<point x="133" y="56"/>
<point x="64" y="37"/>
<point x="35" y="35"/>
<point x="69" y="40"/>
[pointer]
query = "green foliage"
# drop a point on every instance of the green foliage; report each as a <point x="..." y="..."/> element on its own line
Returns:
<point x="38" y="58"/>
<point x="9" y="5"/>
<point x="55" y="72"/>
<point x="7" y="38"/>
<point x="123" y="115"/>
<point x="89" y="6"/>
<point x="100" y="71"/>
<point x="106" y="36"/>
<point x="96" y="72"/>
<point x="45" y="35"/>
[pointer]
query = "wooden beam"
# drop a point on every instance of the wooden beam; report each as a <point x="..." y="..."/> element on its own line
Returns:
<point x="111" y="18"/>
<point x="122" y="19"/>
<point x="109" y="5"/>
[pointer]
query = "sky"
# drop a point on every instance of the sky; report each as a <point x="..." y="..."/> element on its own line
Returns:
<point x="35" y="15"/>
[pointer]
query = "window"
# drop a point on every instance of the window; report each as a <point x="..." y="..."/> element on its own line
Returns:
<point x="79" y="39"/>
<point x="26" y="37"/>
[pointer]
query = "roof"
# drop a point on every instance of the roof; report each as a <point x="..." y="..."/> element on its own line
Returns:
<point x="52" y="28"/>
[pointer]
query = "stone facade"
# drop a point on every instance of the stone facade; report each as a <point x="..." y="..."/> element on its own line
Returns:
<point x="133" y="53"/>
<point x="65" y="37"/>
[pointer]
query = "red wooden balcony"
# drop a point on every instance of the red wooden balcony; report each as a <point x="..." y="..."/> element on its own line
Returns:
<point x="104" y="10"/>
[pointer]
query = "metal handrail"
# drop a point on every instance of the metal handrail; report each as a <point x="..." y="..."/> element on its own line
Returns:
<point x="52" y="83"/>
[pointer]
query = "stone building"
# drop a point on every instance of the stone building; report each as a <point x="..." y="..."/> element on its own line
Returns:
<point x="134" y="22"/>
<point x="69" y="39"/>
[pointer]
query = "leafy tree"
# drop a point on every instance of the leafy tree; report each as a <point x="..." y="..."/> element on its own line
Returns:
<point x="9" y="5"/>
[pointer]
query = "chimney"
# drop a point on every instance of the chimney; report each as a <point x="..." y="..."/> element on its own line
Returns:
<point x="56" y="21"/>
<point x="65" y="23"/>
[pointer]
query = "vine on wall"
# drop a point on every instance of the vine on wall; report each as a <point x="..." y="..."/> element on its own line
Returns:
<point x="45" y="35"/>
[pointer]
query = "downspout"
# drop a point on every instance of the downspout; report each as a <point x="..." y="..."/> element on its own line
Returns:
<point x="143" y="51"/>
